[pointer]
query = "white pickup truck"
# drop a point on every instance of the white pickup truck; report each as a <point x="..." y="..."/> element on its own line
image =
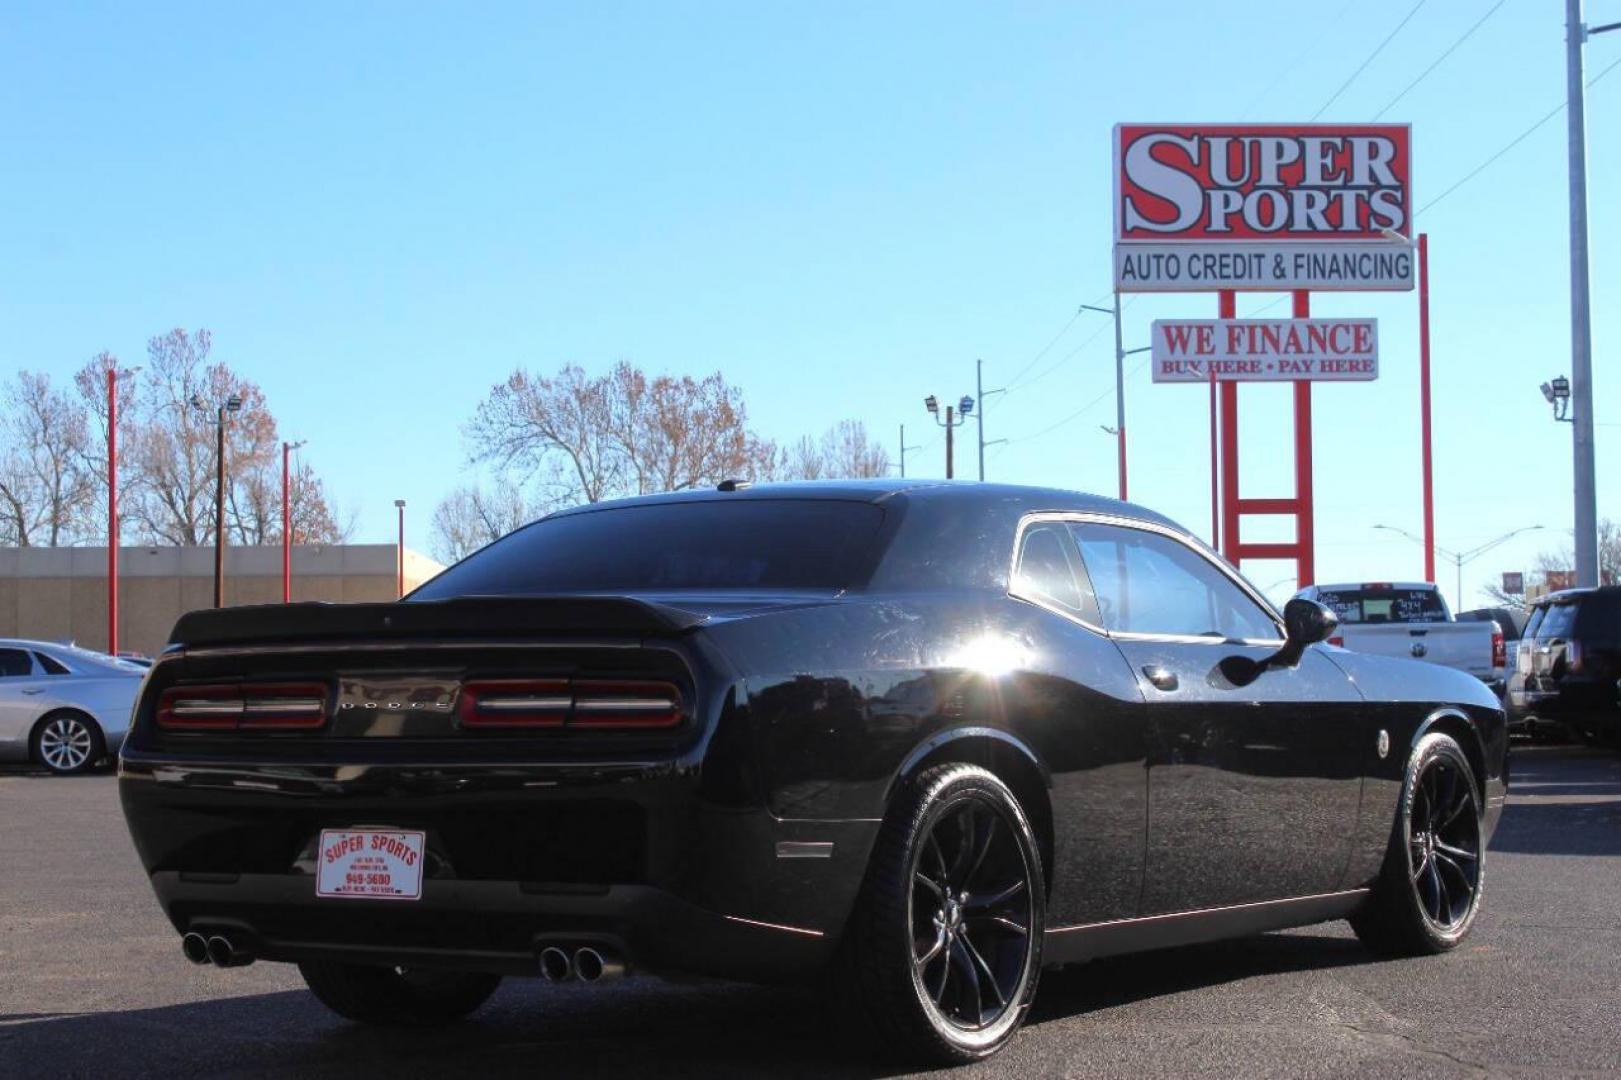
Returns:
<point x="1405" y="618"/>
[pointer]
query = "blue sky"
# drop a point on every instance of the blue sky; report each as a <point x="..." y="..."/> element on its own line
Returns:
<point x="381" y="209"/>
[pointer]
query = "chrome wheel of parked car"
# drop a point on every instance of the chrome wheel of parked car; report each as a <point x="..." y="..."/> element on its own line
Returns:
<point x="970" y="915"/>
<point x="67" y="743"/>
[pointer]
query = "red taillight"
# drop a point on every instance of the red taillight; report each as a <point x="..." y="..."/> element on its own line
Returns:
<point x="577" y="703"/>
<point x="243" y="706"/>
<point x="1337" y="640"/>
<point x="515" y="703"/>
<point x="1499" y="649"/>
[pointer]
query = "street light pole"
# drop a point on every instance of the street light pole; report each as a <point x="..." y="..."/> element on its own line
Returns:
<point x="1459" y="558"/>
<point x="1581" y="325"/>
<point x="112" y="509"/>
<point x="1120" y="354"/>
<point x="399" y="552"/>
<point x="965" y="406"/>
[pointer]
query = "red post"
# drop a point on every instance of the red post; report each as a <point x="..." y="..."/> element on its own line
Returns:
<point x="286" y="527"/>
<point x="1227" y="308"/>
<point x="112" y="510"/>
<point x="1424" y="405"/>
<point x="1305" y="526"/>
<point x="1227" y="302"/>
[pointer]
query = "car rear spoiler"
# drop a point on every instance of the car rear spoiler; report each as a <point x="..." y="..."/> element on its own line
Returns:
<point x="462" y="617"/>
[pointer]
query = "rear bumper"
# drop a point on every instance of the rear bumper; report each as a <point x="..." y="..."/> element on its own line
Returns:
<point x="492" y="926"/>
<point x="644" y="857"/>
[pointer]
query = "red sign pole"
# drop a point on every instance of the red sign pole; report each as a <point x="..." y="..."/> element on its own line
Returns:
<point x="1424" y="406"/>
<point x="112" y="510"/>
<point x="1305" y="526"/>
<point x="1226" y="308"/>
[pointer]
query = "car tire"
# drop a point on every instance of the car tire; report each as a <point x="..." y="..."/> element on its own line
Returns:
<point x="942" y="954"/>
<point x="67" y="743"/>
<point x="396" y="997"/>
<point x="1429" y="889"/>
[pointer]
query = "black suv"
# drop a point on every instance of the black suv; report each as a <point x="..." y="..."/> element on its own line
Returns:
<point x="1569" y="663"/>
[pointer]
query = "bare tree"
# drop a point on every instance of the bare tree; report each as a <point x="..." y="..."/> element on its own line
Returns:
<point x="844" y="452"/>
<point x="45" y="489"/>
<point x="585" y="439"/>
<point x="1563" y="561"/>
<point x="470" y="517"/>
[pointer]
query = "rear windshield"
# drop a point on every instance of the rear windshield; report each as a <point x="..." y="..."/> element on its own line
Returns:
<point x="753" y="544"/>
<point x="1557" y="623"/>
<point x="1366" y="605"/>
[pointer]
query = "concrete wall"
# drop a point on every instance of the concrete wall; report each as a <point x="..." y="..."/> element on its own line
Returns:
<point x="60" y="594"/>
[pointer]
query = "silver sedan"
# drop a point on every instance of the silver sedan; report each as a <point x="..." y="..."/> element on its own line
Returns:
<point x="63" y="707"/>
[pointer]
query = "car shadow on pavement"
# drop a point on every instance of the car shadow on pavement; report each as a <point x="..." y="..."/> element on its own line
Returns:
<point x="638" y="1027"/>
<point x="1121" y="980"/>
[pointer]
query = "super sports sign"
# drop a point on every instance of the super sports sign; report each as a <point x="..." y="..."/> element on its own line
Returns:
<point x="1263" y="207"/>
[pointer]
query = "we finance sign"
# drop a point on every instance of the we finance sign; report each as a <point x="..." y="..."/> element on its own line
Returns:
<point x="1265" y="350"/>
<point x="1259" y="207"/>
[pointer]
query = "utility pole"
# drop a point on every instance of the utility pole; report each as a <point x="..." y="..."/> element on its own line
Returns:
<point x="980" y="394"/>
<point x="1581" y="324"/>
<point x="287" y="449"/>
<point x="228" y="407"/>
<point x="112" y="509"/>
<point x="905" y="448"/>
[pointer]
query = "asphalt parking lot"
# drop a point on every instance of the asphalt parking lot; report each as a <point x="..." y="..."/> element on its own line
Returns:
<point x="92" y="981"/>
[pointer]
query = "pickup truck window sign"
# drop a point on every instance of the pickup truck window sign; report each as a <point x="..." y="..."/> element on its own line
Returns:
<point x="1201" y="207"/>
<point x="1265" y="350"/>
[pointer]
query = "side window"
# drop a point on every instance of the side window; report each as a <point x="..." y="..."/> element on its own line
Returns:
<point x="1148" y="583"/>
<point x="15" y="663"/>
<point x="50" y="665"/>
<point x="1050" y="570"/>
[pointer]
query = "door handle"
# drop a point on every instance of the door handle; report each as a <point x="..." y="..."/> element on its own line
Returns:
<point x="35" y="690"/>
<point x="1162" y="678"/>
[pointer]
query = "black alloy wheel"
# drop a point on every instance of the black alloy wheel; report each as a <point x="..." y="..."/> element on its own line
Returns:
<point x="970" y="915"/>
<point x="1444" y="844"/>
<point x="943" y="948"/>
<point x="1429" y="891"/>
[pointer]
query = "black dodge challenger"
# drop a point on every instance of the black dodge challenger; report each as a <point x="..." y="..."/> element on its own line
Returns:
<point x="922" y="738"/>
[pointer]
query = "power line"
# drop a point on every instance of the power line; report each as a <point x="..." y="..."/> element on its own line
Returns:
<point x="1090" y="405"/>
<point x="1512" y="143"/>
<point x="1450" y="49"/>
<point x="1371" y="56"/>
<point x="1062" y="360"/>
<point x="1046" y="348"/>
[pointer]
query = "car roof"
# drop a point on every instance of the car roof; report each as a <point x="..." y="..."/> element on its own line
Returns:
<point x="1570" y="596"/>
<point x="1021" y="497"/>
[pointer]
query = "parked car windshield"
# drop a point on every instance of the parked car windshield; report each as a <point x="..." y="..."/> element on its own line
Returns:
<point x="1384" y="605"/>
<point x="747" y="544"/>
<point x="1558" y="622"/>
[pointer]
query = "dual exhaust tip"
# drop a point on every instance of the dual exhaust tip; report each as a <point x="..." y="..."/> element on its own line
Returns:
<point x="216" y="949"/>
<point x="556" y="964"/>
<point x="587" y="964"/>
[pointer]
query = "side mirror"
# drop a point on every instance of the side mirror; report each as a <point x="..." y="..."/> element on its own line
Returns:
<point x="1306" y="622"/>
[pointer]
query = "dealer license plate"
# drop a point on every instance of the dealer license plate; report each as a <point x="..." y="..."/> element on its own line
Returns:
<point x="370" y="864"/>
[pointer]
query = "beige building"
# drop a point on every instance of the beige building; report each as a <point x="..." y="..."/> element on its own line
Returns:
<point x="60" y="594"/>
